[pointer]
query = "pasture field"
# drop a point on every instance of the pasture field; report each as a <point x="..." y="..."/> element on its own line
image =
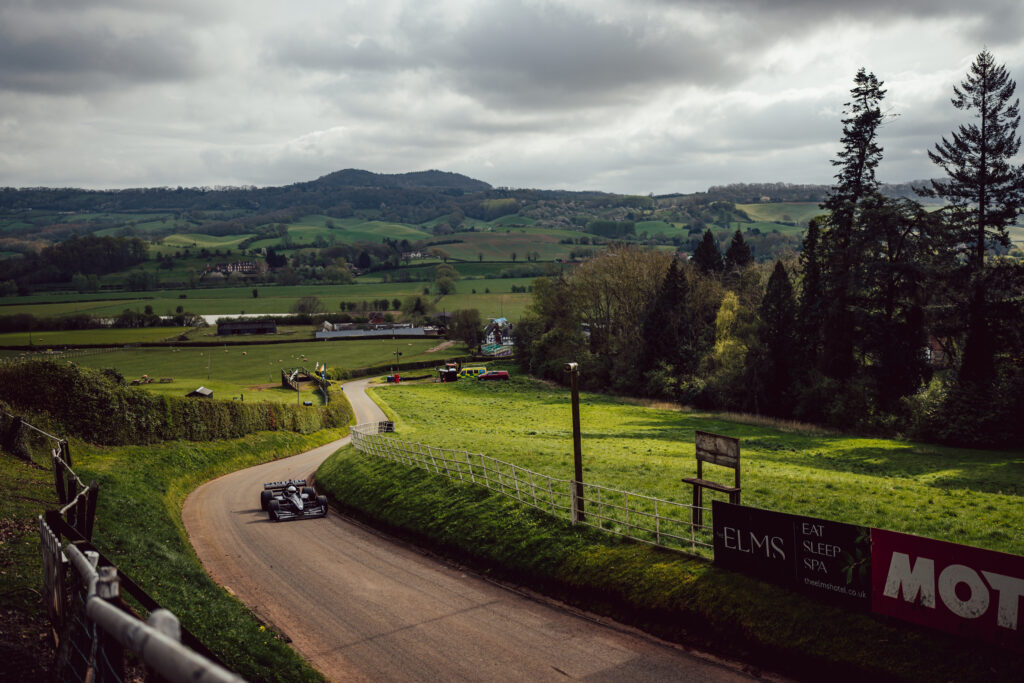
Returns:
<point x="960" y="495"/>
<point x="231" y="370"/>
<point x="773" y="212"/>
<point x="270" y="299"/>
<point x="500" y="245"/>
<point x="101" y="336"/>
<point x="660" y="228"/>
<point x="201" y="240"/>
<point x="493" y="305"/>
<point x="766" y="227"/>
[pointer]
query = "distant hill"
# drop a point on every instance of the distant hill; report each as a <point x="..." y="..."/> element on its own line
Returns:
<point x="430" y="180"/>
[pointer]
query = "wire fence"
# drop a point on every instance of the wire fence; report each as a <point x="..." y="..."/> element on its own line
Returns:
<point x="644" y="518"/>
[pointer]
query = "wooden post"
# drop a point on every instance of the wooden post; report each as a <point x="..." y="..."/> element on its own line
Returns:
<point x="90" y="509"/>
<point x="577" y="448"/>
<point x="58" y="477"/>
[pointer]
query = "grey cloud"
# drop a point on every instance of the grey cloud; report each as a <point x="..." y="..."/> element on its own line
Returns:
<point x="333" y="54"/>
<point x="988" y="21"/>
<point x="85" y="62"/>
<point x="520" y="56"/>
<point x="523" y="56"/>
<point x="64" y="47"/>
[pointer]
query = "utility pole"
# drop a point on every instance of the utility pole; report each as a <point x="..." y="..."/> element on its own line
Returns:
<point x="577" y="449"/>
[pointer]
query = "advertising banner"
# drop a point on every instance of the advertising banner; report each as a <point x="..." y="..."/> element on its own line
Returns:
<point x="955" y="588"/>
<point x="827" y="559"/>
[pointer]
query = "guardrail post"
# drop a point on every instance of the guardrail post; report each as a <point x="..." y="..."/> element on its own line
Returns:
<point x="109" y="652"/>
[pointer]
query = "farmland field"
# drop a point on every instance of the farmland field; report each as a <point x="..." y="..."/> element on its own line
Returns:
<point x="200" y="240"/>
<point x="102" y="336"/>
<point x="797" y="212"/>
<point x="962" y="495"/>
<point x="232" y="370"/>
<point x="270" y="299"/>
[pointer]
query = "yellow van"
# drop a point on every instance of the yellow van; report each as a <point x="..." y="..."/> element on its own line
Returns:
<point x="474" y="371"/>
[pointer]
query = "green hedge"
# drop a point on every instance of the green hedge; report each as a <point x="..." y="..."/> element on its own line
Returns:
<point x="97" y="408"/>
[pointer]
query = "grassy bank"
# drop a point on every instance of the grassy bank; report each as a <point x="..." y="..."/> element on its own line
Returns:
<point x="142" y="489"/>
<point x="674" y="596"/>
<point x="961" y="495"/>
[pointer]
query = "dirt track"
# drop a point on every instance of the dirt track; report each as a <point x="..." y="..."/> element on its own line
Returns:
<point x="360" y="607"/>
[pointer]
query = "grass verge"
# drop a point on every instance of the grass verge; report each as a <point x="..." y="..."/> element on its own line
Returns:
<point x="674" y="596"/>
<point x="142" y="490"/>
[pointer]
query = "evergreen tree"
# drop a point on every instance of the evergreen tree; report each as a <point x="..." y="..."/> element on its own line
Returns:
<point x="776" y="358"/>
<point x="811" y="302"/>
<point x="707" y="256"/>
<point x="985" y="192"/>
<point x="841" y="242"/>
<point x="738" y="254"/>
<point x="665" y="322"/>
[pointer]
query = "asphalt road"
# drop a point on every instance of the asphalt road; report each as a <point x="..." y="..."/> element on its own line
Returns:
<point x="361" y="607"/>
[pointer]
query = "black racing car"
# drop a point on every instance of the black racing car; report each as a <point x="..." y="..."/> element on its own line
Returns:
<point x="291" y="499"/>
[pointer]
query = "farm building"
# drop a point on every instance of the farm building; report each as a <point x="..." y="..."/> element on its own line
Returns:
<point x="201" y="392"/>
<point x="247" y="327"/>
<point x="498" y="331"/>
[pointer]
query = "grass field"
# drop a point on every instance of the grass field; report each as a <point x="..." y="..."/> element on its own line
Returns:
<point x="270" y="299"/>
<point x="773" y="212"/>
<point x="231" y="371"/>
<point x="966" y="496"/>
<point x="103" y="336"/>
<point x="200" y="241"/>
<point x="766" y="227"/>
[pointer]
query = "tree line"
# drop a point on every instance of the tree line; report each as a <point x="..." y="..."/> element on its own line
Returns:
<point x="893" y="318"/>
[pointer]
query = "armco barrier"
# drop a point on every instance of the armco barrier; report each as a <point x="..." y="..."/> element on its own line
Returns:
<point x="92" y="627"/>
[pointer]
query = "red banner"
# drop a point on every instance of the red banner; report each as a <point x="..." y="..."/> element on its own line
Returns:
<point x="955" y="588"/>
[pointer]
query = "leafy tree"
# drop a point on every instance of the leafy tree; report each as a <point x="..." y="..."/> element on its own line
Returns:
<point x="465" y="326"/>
<point x="738" y="254"/>
<point x="707" y="255"/>
<point x="308" y="305"/>
<point x="985" y="192"/>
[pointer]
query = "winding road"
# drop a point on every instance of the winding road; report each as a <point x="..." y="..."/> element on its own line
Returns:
<point x="359" y="606"/>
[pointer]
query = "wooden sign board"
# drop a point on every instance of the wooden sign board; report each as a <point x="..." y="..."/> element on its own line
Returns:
<point x="718" y="449"/>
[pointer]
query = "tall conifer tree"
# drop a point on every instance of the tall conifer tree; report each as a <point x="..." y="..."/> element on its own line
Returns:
<point x="842" y="239"/>
<point x="985" y="192"/>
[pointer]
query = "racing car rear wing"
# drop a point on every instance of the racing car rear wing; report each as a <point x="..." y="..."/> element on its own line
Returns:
<point x="283" y="484"/>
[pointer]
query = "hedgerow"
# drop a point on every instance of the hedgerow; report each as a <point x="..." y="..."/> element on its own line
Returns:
<point x="93" y="405"/>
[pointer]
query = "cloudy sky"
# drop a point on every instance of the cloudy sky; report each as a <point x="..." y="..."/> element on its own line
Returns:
<point x="629" y="96"/>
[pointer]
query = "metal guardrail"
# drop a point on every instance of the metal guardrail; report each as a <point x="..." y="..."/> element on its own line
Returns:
<point x="644" y="518"/>
<point x="92" y="627"/>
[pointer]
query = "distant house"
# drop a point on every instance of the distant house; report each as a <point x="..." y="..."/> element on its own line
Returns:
<point x="498" y="331"/>
<point x="201" y="392"/>
<point x="246" y="327"/>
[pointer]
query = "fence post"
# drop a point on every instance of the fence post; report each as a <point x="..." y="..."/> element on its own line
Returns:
<point x="90" y="509"/>
<point x="58" y="477"/>
<point x="577" y="449"/>
<point x="65" y="452"/>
